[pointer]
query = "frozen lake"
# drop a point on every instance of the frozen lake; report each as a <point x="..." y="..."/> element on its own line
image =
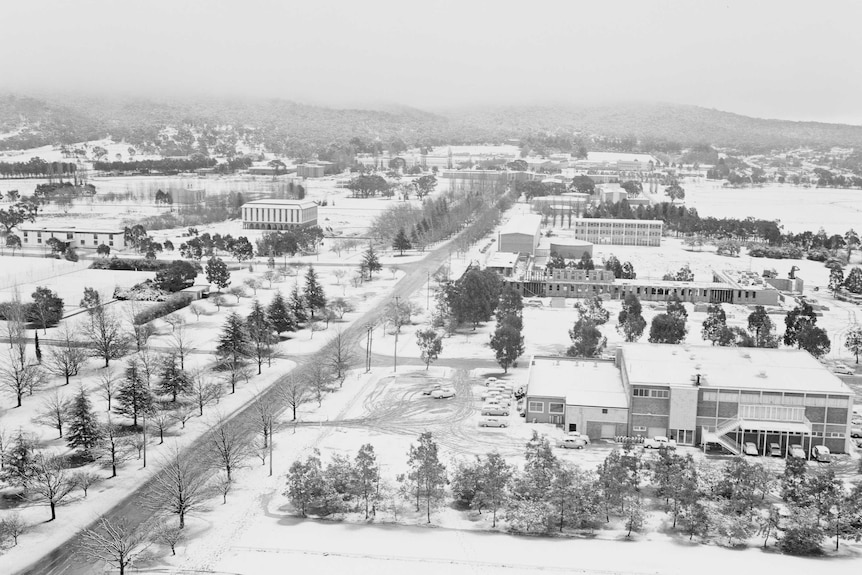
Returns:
<point x="797" y="208"/>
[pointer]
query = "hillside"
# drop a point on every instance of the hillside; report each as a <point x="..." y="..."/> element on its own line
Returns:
<point x="224" y="125"/>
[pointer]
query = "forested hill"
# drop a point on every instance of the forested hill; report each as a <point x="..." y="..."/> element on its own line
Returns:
<point x="298" y="129"/>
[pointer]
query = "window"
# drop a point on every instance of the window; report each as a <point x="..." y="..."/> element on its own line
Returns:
<point x="659" y="393"/>
<point x="83" y="242"/>
<point x="556" y="408"/>
<point x="110" y="243"/>
<point x="638" y="428"/>
<point x="604" y="411"/>
<point x="69" y="236"/>
<point x="836" y="402"/>
<point x="536" y="407"/>
<point x="640" y="392"/>
<point x="815" y="401"/>
<point x="95" y="236"/>
<point x="110" y="236"/>
<point x="710" y="396"/>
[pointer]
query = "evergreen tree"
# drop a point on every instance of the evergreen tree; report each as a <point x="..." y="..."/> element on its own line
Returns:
<point x="217" y="273"/>
<point x="676" y="308"/>
<point x="18" y="459"/>
<point x="233" y="343"/>
<point x="667" y="328"/>
<point x="133" y="398"/>
<point x="853" y="283"/>
<point x="279" y="316"/>
<point x="762" y="328"/>
<point x="174" y="380"/>
<point x="853" y="341"/>
<point x="836" y="279"/>
<point x="370" y="262"/>
<point x="715" y="323"/>
<point x="426" y="472"/>
<point x="587" y="340"/>
<point x="83" y="428"/>
<point x="401" y="241"/>
<point x="430" y="345"/>
<point x="261" y="338"/>
<point x="315" y="299"/>
<point x="630" y="322"/>
<point x="510" y="307"/>
<point x="508" y="344"/>
<point x="802" y="314"/>
<point x="297" y="306"/>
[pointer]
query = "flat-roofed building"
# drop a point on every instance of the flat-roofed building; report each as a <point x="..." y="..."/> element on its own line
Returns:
<point x="278" y="214"/>
<point x="729" y="396"/>
<point x="86" y="237"/>
<point x="520" y="234"/>
<point x="617" y="232"/>
<point x="578" y="394"/>
<point x="310" y="171"/>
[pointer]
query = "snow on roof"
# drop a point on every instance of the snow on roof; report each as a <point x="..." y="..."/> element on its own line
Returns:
<point x="60" y="228"/>
<point x="585" y="382"/>
<point x="611" y="157"/>
<point x="502" y="260"/>
<point x="281" y="203"/>
<point x="523" y="224"/>
<point x="729" y="367"/>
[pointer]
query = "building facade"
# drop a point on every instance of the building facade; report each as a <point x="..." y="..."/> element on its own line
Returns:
<point x="85" y="238"/>
<point x="278" y="214"/>
<point x="520" y="234"/>
<point x="618" y="232"/>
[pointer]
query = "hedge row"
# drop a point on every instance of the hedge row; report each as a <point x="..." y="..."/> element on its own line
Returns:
<point x="129" y="264"/>
<point x="170" y="305"/>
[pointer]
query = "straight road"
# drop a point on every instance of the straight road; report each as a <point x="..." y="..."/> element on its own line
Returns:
<point x="66" y="560"/>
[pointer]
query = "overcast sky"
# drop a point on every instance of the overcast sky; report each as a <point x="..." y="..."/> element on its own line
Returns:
<point x="782" y="59"/>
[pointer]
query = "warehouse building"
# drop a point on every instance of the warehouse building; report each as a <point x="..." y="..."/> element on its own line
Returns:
<point x="278" y="214"/>
<point x="520" y="235"/>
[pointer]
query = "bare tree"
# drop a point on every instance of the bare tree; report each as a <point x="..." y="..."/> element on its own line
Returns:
<point x="174" y="320"/>
<point x="264" y="416"/>
<point x="228" y="445"/>
<point x="339" y="274"/>
<point x="138" y="441"/>
<point x="223" y="484"/>
<point x="19" y="375"/>
<point x="117" y="543"/>
<point x="317" y="380"/>
<point x="141" y="331"/>
<point x="341" y="355"/>
<point x="294" y="393"/>
<point x="204" y="392"/>
<point x="5" y="443"/>
<point x="180" y="487"/>
<point x="163" y="420"/>
<point x="167" y="534"/>
<point x="217" y="300"/>
<point x="253" y="284"/>
<point x="116" y="445"/>
<point x="16" y="326"/>
<point x="237" y="292"/>
<point x="13" y="526"/>
<point x="108" y="385"/>
<point x="108" y="340"/>
<point x="197" y="309"/>
<point x="66" y="359"/>
<point x="184" y="414"/>
<point x="52" y="413"/>
<point x="314" y="326"/>
<point x="50" y="480"/>
<point x="181" y="343"/>
<point x="235" y="373"/>
<point x="85" y="479"/>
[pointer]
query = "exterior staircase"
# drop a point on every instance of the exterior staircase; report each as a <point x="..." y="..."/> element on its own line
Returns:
<point x="718" y="435"/>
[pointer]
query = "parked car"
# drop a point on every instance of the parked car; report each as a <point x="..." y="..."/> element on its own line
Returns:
<point x="573" y="443"/>
<point x="494" y="410"/>
<point x="797" y="451"/>
<point x="491" y="380"/>
<point x="842" y="369"/>
<point x="443" y="393"/>
<point x="750" y="448"/>
<point x="821" y="453"/>
<point x="492" y="422"/>
<point x="488" y="393"/>
<point x="774" y="450"/>
<point x="428" y="390"/>
<point x="577" y="434"/>
<point x="856" y="432"/>
<point x="659" y="441"/>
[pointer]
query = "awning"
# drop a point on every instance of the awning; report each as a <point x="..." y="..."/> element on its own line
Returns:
<point x="775" y="426"/>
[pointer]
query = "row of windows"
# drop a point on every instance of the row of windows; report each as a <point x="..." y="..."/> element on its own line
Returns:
<point x="69" y="235"/>
<point x="539" y="407"/>
<point x="654" y="393"/>
<point x="774" y="399"/>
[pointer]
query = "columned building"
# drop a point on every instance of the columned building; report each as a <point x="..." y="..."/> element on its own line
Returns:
<point x="278" y="214"/>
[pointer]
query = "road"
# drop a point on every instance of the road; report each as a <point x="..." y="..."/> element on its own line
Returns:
<point x="64" y="559"/>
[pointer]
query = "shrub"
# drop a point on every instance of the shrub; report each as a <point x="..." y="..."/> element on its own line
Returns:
<point x="129" y="264"/>
<point x="820" y="255"/>
<point x="144" y="291"/>
<point x="170" y="305"/>
<point x="784" y="252"/>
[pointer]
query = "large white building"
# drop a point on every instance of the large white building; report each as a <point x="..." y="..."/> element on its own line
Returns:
<point x="34" y="235"/>
<point x="617" y="232"/>
<point x="278" y="214"/>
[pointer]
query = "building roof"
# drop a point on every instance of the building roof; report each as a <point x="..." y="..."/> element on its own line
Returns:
<point x="656" y="223"/>
<point x="592" y="383"/>
<point x="60" y="229"/>
<point x="523" y="224"/>
<point x="729" y="368"/>
<point x="273" y="203"/>
<point x="563" y="241"/>
<point x="611" y="157"/>
<point x="502" y="260"/>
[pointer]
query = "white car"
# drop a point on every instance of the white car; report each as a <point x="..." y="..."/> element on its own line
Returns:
<point x="842" y="369"/>
<point x="659" y="441"/>
<point x="797" y="451"/>
<point x="492" y="422"/>
<point x="573" y="443"/>
<point x="578" y="435"/>
<point x="443" y="393"/>
<point x="821" y="453"/>
<point x="490" y="380"/>
<point x="750" y="448"/>
<point x="855" y="432"/>
<point x="495" y="410"/>
<point x="430" y="390"/>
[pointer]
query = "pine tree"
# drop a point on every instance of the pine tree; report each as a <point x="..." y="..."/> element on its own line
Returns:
<point x="218" y="273"/>
<point x="261" y="338"/>
<point x="370" y="262"/>
<point x="174" y="380"/>
<point x="133" y="398"/>
<point x="315" y="299"/>
<point x="233" y="343"/>
<point x="401" y="241"/>
<point x="279" y="316"/>
<point x="83" y="428"/>
<point x="297" y="306"/>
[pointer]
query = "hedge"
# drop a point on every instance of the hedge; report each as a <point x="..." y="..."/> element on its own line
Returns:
<point x="170" y="305"/>
<point x="128" y="264"/>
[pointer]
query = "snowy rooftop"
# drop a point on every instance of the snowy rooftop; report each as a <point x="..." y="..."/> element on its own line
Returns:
<point x="582" y="382"/>
<point x="502" y="260"/>
<point x="281" y="203"/>
<point x="611" y="157"/>
<point x="522" y="224"/>
<point x="729" y="367"/>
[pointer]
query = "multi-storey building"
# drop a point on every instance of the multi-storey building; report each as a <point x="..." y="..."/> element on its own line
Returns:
<point x="618" y="232"/>
<point x="278" y="214"/>
<point x="695" y="395"/>
<point x="33" y="235"/>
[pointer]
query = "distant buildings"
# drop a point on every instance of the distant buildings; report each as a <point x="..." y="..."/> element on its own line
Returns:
<point x="695" y="395"/>
<point x="310" y="170"/>
<point x="34" y="235"/>
<point x="278" y="214"/>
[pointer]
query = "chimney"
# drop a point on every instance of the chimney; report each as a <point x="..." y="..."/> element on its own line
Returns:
<point x="697" y="381"/>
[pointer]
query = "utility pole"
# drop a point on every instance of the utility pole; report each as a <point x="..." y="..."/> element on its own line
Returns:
<point x="397" y="329"/>
<point x="428" y="292"/>
<point x="369" y="330"/>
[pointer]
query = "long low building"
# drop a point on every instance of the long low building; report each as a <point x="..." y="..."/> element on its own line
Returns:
<point x="695" y="395"/>
<point x="34" y="235"/>
<point x="617" y="232"/>
<point x="278" y="214"/>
